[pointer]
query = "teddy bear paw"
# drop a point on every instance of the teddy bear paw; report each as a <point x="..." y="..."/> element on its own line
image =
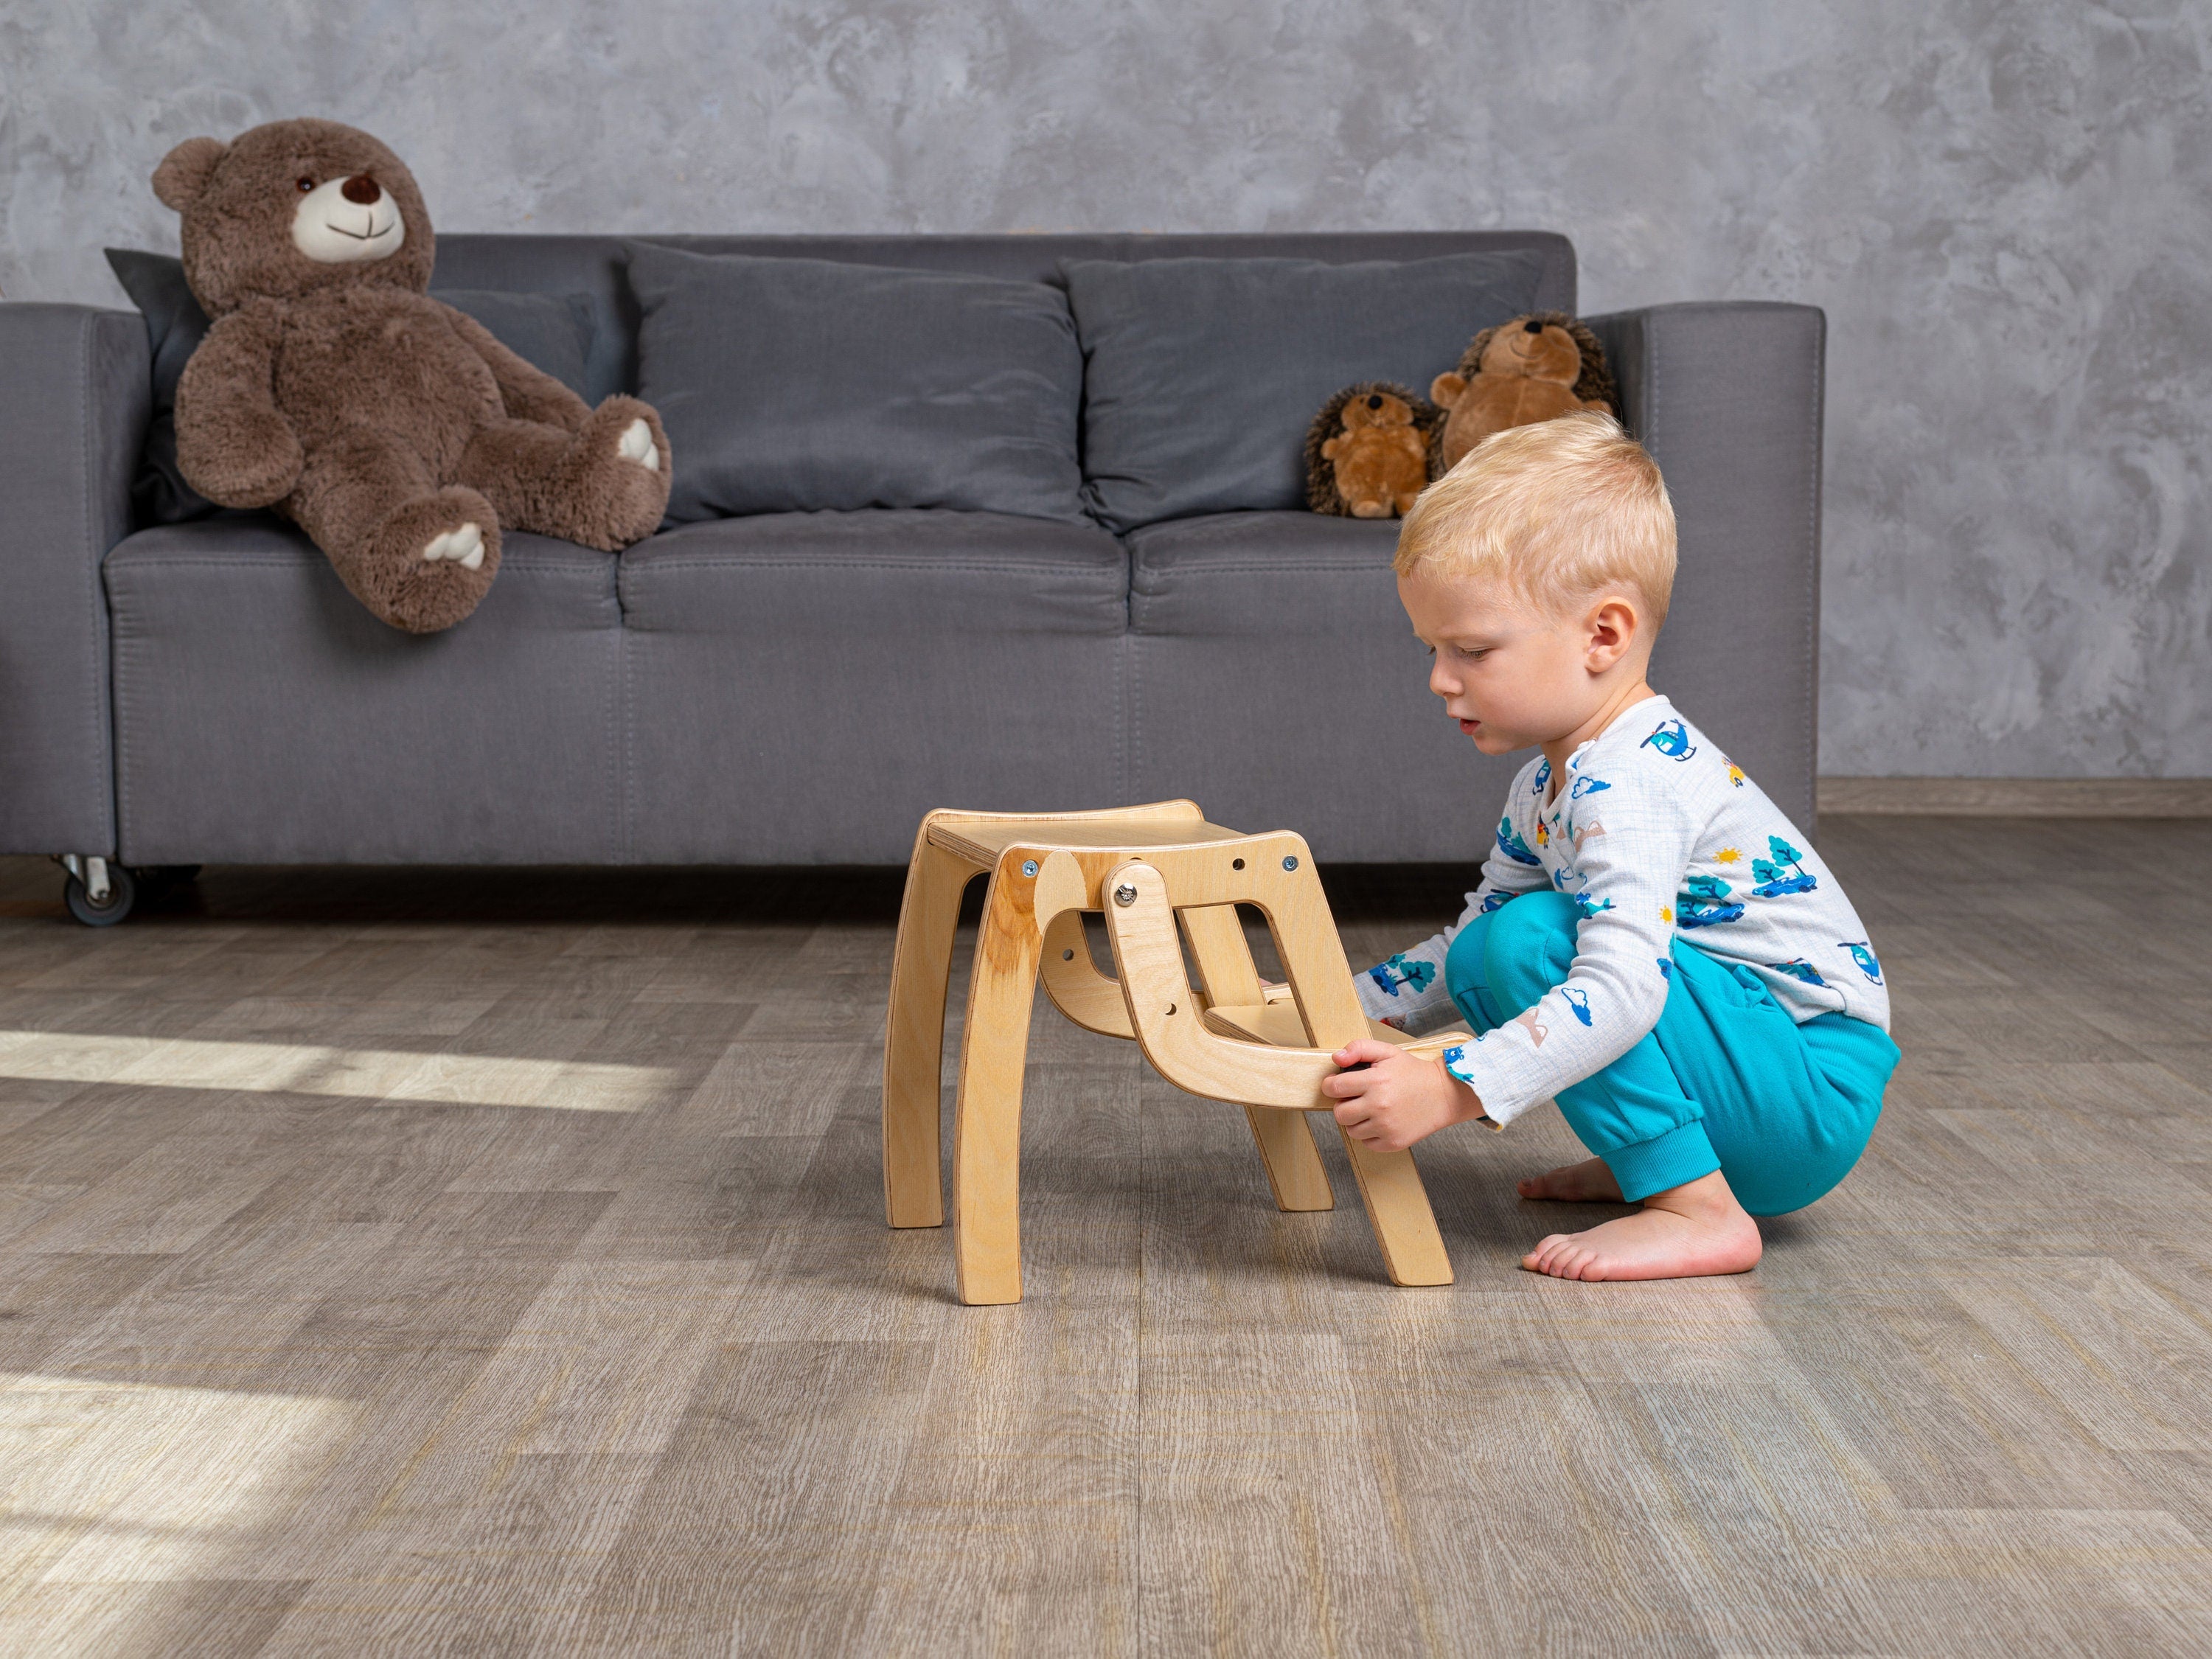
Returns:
<point x="463" y="546"/>
<point x="636" y="444"/>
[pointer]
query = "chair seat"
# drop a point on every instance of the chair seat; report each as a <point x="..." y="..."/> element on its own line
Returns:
<point x="980" y="840"/>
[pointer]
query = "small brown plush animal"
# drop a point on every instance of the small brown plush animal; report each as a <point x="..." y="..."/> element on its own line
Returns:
<point x="397" y="432"/>
<point x="1519" y="373"/>
<point x="1368" y="451"/>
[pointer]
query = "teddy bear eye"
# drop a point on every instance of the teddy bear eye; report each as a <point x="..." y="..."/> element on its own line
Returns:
<point x="305" y="183"/>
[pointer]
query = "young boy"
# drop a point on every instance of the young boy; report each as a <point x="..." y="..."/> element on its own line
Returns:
<point x="1653" y="943"/>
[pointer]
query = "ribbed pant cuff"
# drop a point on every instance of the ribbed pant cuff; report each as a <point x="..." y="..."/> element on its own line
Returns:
<point x="1653" y="1166"/>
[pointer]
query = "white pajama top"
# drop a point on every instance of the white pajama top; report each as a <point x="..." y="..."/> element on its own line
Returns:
<point x="1656" y="835"/>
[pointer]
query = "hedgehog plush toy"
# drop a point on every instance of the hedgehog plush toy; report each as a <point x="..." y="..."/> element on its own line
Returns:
<point x="1370" y="451"/>
<point x="1521" y="371"/>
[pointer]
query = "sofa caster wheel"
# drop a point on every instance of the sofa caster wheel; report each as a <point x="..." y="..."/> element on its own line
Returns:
<point x="119" y="893"/>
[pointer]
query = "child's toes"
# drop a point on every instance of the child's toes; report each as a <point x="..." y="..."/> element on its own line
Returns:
<point x="1537" y="1260"/>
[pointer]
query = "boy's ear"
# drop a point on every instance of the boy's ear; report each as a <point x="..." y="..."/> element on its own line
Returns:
<point x="1613" y="630"/>
<point x="186" y="170"/>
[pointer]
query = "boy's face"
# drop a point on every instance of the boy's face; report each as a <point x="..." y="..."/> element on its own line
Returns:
<point x="1511" y="673"/>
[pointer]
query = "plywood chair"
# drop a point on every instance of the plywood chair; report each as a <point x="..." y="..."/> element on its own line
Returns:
<point x="1154" y="872"/>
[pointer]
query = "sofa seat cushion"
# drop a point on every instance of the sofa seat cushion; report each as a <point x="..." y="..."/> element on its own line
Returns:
<point x="899" y="572"/>
<point x="801" y="688"/>
<point x="261" y="715"/>
<point x="1265" y="573"/>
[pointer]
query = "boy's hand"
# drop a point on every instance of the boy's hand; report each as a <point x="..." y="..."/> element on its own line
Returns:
<point x="1398" y="1098"/>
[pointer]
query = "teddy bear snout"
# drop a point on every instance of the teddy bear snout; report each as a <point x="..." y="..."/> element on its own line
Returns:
<point x="1531" y="326"/>
<point x="361" y="189"/>
<point x="1374" y="400"/>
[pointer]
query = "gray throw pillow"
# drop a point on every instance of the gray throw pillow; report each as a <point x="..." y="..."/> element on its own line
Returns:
<point x="1204" y="374"/>
<point x="788" y="385"/>
<point x="553" y="332"/>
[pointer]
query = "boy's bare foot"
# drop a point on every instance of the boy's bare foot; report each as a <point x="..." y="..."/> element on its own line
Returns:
<point x="1588" y="1182"/>
<point x="1684" y="1232"/>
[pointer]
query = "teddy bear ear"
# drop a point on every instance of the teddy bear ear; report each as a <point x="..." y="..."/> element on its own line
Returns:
<point x="1446" y="389"/>
<point x="186" y="170"/>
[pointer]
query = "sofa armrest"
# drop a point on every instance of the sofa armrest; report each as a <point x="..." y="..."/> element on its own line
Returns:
<point x="1727" y="398"/>
<point x="76" y="394"/>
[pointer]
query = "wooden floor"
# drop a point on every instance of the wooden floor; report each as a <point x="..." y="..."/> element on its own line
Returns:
<point x="485" y="1263"/>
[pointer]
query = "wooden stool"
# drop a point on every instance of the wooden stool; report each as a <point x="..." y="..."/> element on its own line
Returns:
<point x="1231" y="1038"/>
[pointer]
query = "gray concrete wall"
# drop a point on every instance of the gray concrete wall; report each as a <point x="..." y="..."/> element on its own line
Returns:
<point x="2005" y="208"/>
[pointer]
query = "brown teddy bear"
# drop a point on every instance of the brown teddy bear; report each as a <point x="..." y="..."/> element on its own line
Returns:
<point x="394" y="430"/>
<point x="1519" y="373"/>
<point x="1369" y="451"/>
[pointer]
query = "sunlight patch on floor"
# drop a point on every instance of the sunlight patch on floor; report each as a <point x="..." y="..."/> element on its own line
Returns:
<point x="127" y="1484"/>
<point x="306" y="1069"/>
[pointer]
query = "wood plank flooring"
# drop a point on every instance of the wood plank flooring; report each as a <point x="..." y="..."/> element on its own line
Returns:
<point x="491" y="1262"/>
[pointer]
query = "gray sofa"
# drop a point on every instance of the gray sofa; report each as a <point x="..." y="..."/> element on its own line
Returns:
<point x="800" y="688"/>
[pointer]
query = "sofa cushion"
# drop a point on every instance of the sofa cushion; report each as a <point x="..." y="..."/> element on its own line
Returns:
<point x="552" y="330"/>
<point x="790" y="386"/>
<point x="1265" y="573"/>
<point x="263" y="716"/>
<point x="907" y="571"/>
<point x="1203" y="374"/>
<point x="802" y="688"/>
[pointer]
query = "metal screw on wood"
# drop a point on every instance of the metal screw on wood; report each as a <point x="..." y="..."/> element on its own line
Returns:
<point x="1291" y="863"/>
<point x="1029" y="866"/>
<point x="1125" y="894"/>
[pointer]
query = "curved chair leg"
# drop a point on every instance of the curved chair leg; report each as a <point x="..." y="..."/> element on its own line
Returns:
<point x="914" y="1034"/>
<point x="1390" y="1185"/>
<point x="1295" y="1173"/>
<point x="1398" y="1209"/>
<point x="986" y="1120"/>
<point x="1286" y="1147"/>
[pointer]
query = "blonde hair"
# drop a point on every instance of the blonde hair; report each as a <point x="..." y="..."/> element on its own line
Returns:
<point x="1559" y="511"/>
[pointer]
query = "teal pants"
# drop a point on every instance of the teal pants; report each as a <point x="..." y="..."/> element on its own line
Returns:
<point x="1726" y="1080"/>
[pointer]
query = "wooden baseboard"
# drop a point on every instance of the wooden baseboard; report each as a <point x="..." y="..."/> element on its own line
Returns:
<point x="2022" y="798"/>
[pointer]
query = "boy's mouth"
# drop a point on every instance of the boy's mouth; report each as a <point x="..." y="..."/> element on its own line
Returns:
<point x="1470" y="728"/>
